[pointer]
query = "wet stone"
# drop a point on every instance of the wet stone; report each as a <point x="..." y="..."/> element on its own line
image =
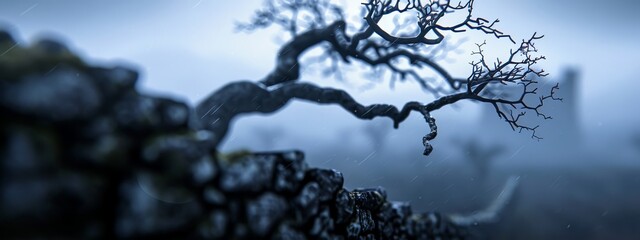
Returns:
<point x="400" y="213"/>
<point x="6" y="38"/>
<point x="176" y="154"/>
<point x="307" y="202"/>
<point x="144" y="213"/>
<point x="286" y="232"/>
<point x="344" y="206"/>
<point x="249" y="174"/>
<point x="212" y="196"/>
<point x="240" y="232"/>
<point x="366" y="220"/>
<point x="322" y="225"/>
<point x="122" y="77"/>
<point x="97" y="127"/>
<point x="336" y="237"/>
<point x="162" y="146"/>
<point x="264" y="212"/>
<point x="361" y="224"/>
<point x="204" y="170"/>
<point x="368" y="237"/>
<point x="385" y="229"/>
<point x="109" y="151"/>
<point x="26" y="200"/>
<point x="51" y="47"/>
<point x="206" y="139"/>
<point x="172" y="159"/>
<point x="63" y="94"/>
<point x="401" y="209"/>
<point x="354" y="228"/>
<point x="294" y="155"/>
<point x="369" y="198"/>
<point x="99" y="141"/>
<point x="26" y="153"/>
<point x="384" y="221"/>
<point x="410" y="224"/>
<point x="291" y="169"/>
<point x="329" y="181"/>
<point x="115" y="81"/>
<point x="428" y="224"/>
<point x="214" y="226"/>
<point x="384" y="213"/>
<point x="174" y="114"/>
<point x="165" y="186"/>
<point x="139" y="113"/>
<point x="236" y="211"/>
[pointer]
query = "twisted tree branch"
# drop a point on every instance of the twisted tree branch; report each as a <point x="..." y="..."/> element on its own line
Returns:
<point x="220" y="108"/>
<point x="375" y="47"/>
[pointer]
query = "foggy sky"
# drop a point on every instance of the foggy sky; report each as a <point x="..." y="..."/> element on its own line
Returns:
<point x="188" y="49"/>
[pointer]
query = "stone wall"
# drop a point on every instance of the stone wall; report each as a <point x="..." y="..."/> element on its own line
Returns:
<point x="84" y="155"/>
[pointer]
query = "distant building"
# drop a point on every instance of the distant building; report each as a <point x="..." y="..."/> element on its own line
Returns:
<point x="561" y="134"/>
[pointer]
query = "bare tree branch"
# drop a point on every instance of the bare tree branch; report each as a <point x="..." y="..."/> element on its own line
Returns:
<point x="321" y="23"/>
<point x="218" y="110"/>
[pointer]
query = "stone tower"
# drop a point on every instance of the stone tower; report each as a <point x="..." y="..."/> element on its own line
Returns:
<point x="561" y="134"/>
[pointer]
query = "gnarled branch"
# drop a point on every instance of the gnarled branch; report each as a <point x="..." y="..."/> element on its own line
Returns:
<point x="221" y="107"/>
<point x="370" y="44"/>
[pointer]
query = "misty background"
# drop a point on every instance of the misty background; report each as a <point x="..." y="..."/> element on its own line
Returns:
<point x="582" y="178"/>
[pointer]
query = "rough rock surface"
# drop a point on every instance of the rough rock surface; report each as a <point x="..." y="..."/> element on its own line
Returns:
<point x="84" y="155"/>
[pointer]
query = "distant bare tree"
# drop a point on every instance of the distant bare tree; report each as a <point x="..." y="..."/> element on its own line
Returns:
<point x="491" y="213"/>
<point x="268" y="135"/>
<point x="407" y="51"/>
<point x="481" y="156"/>
<point x="376" y="134"/>
<point x="636" y="141"/>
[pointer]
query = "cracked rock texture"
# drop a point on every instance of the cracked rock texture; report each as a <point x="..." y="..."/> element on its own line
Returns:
<point x="84" y="155"/>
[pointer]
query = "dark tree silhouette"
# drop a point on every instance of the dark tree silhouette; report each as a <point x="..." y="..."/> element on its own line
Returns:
<point x="407" y="51"/>
<point x="636" y="141"/>
<point x="376" y="133"/>
<point x="268" y="136"/>
<point x="480" y="156"/>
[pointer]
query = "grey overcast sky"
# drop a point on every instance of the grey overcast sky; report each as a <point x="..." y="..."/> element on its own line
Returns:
<point x="188" y="48"/>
